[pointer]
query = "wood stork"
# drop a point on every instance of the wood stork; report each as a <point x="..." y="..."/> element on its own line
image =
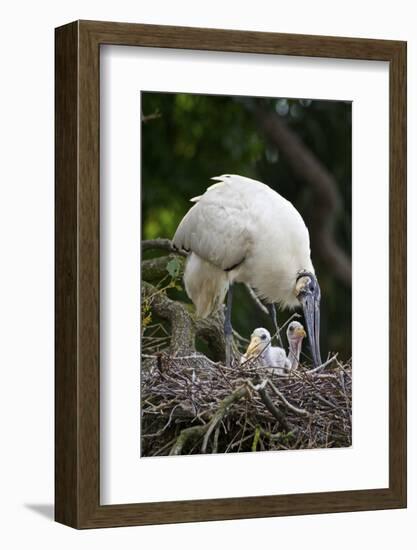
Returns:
<point x="260" y="346"/>
<point x="241" y="230"/>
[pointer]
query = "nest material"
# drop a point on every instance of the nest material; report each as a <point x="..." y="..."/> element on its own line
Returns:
<point x="191" y="405"/>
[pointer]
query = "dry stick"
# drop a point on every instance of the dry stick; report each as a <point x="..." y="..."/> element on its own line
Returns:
<point x="257" y="301"/>
<point x="161" y="431"/>
<point x="273" y="409"/>
<point x="240" y="337"/>
<point x="236" y="443"/>
<point x="162" y="405"/>
<point x="301" y="412"/>
<point x="311" y="382"/>
<point x="333" y="358"/>
<point x="152" y="116"/>
<point x="323" y="376"/>
<point x="293" y="316"/>
<point x="153" y="329"/>
<point x="166" y="446"/>
<point x="230" y="445"/>
<point x="220" y="368"/>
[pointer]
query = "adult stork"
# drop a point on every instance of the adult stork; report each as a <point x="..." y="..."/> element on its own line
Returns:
<point x="241" y="230"/>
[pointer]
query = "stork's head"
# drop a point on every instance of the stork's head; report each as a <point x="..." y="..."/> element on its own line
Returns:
<point x="307" y="291"/>
<point x="259" y="340"/>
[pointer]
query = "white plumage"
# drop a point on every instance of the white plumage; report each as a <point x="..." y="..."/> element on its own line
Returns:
<point x="275" y="357"/>
<point x="241" y="230"/>
<point x="260" y="348"/>
<point x="242" y="220"/>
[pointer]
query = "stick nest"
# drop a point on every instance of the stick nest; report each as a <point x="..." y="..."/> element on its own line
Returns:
<point x="191" y="405"/>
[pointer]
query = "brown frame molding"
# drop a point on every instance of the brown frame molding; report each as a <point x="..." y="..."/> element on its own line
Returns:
<point x="77" y="376"/>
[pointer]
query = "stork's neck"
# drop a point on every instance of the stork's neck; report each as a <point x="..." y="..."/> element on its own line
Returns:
<point x="294" y="352"/>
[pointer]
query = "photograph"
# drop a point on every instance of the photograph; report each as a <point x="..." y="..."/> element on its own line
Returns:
<point x="209" y="255"/>
<point x="245" y="274"/>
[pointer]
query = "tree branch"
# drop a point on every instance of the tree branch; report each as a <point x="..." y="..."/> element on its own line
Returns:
<point x="182" y="325"/>
<point x="161" y="244"/>
<point x="185" y="328"/>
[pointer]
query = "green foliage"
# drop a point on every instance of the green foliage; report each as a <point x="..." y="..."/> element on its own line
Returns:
<point x="146" y="314"/>
<point x="174" y="268"/>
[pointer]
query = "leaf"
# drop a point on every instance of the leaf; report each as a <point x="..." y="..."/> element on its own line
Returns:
<point x="173" y="267"/>
<point x="146" y="321"/>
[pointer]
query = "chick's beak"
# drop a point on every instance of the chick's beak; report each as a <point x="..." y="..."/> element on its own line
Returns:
<point x="300" y="332"/>
<point x="254" y="346"/>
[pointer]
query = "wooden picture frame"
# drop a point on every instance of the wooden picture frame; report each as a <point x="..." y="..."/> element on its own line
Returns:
<point x="77" y="374"/>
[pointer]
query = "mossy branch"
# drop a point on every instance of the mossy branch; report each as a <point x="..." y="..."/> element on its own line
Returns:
<point x="187" y="436"/>
<point x="182" y="324"/>
<point x="161" y="244"/>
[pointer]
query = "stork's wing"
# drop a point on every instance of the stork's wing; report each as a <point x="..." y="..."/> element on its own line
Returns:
<point x="217" y="227"/>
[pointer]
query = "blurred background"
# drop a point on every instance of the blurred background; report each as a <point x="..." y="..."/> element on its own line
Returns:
<point x="299" y="147"/>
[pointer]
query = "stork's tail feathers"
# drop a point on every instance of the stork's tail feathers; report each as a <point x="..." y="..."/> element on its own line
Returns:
<point x="206" y="285"/>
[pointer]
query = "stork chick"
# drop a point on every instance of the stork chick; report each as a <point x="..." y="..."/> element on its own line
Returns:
<point x="275" y="357"/>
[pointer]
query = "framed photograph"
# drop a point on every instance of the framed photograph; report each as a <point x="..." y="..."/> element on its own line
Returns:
<point x="230" y="274"/>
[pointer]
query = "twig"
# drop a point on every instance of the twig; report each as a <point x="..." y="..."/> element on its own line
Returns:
<point x="264" y="347"/>
<point x="273" y="409"/>
<point x="165" y="447"/>
<point x="239" y="337"/>
<point x="302" y="412"/>
<point x="257" y="301"/>
<point x="313" y="371"/>
<point x="152" y="116"/>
